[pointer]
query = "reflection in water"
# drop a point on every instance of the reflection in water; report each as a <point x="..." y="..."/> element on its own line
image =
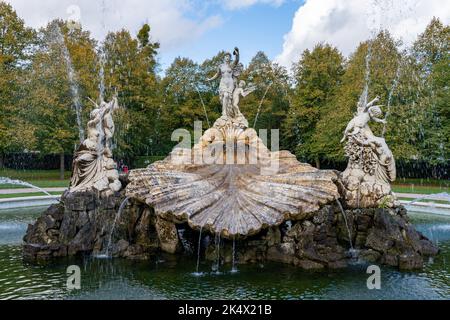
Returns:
<point x="170" y="278"/>
<point x="14" y="224"/>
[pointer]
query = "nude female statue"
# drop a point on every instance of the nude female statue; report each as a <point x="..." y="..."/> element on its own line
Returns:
<point x="227" y="80"/>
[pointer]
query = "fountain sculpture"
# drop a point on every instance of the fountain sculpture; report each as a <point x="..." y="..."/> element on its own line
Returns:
<point x="93" y="166"/>
<point x="259" y="205"/>
<point x="371" y="166"/>
<point x="230" y="183"/>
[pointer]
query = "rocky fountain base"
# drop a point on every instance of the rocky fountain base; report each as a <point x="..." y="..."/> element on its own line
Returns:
<point x="321" y="239"/>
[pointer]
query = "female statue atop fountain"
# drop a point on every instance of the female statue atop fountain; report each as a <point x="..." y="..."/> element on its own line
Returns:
<point x="228" y="73"/>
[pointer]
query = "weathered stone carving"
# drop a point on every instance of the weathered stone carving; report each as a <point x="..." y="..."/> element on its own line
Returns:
<point x="371" y="167"/>
<point x="230" y="92"/>
<point x="230" y="183"/>
<point x="234" y="201"/>
<point x="93" y="166"/>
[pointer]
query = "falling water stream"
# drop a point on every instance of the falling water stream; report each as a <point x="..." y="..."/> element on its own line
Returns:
<point x="344" y="215"/>
<point x="204" y="107"/>
<point x="73" y="84"/>
<point x="101" y="135"/>
<point x="216" y="266"/>
<point x="234" y="269"/>
<point x="199" y="249"/>
<point x="4" y="180"/>
<point x="111" y="233"/>
<point x="363" y="100"/>
<point x="391" y="94"/>
<point x="437" y="196"/>
<point x="102" y="77"/>
<point x="261" y="103"/>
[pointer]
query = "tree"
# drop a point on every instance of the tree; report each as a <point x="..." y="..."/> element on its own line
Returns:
<point x="181" y="83"/>
<point x="432" y="58"/>
<point x="130" y="66"/>
<point x="268" y="105"/>
<point x="52" y="95"/>
<point x="16" y="44"/>
<point x="318" y="74"/>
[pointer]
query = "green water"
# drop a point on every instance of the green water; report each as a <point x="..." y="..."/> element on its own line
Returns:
<point x="174" y="279"/>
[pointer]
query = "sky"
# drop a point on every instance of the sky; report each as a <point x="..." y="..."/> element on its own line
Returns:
<point x="283" y="29"/>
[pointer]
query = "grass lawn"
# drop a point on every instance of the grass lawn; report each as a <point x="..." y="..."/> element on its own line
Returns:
<point x="40" y="184"/>
<point x="421" y="186"/>
<point x="421" y="189"/>
<point x="25" y="195"/>
<point x="425" y="182"/>
<point x="39" y="178"/>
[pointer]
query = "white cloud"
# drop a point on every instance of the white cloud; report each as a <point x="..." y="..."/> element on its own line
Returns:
<point x="169" y="19"/>
<point x="346" y="23"/>
<point x="240" y="4"/>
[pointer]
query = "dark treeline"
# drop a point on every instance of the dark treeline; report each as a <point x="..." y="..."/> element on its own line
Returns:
<point x="310" y="105"/>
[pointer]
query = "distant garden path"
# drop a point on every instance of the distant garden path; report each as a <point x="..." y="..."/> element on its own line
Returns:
<point x="30" y="190"/>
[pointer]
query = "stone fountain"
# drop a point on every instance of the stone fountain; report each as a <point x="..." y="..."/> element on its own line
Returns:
<point x="230" y="199"/>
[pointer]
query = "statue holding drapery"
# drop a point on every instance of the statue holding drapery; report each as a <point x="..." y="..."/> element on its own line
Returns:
<point x="93" y="166"/>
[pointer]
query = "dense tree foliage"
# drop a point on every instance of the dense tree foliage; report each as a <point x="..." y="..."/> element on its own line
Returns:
<point x="56" y="101"/>
<point x="130" y="70"/>
<point x="311" y="105"/>
<point x="318" y="76"/>
<point x="16" y="45"/>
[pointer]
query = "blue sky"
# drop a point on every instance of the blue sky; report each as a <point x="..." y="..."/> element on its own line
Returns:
<point x="260" y="27"/>
<point x="283" y="29"/>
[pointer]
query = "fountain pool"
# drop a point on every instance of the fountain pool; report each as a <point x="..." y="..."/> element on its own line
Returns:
<point x="172" y="277"/>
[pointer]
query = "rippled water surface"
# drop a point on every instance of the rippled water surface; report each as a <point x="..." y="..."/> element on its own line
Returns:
<point x="174" y="279"/>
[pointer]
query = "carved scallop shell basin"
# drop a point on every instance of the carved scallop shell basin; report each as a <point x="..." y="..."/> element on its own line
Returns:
<point x="234" y="187"/>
